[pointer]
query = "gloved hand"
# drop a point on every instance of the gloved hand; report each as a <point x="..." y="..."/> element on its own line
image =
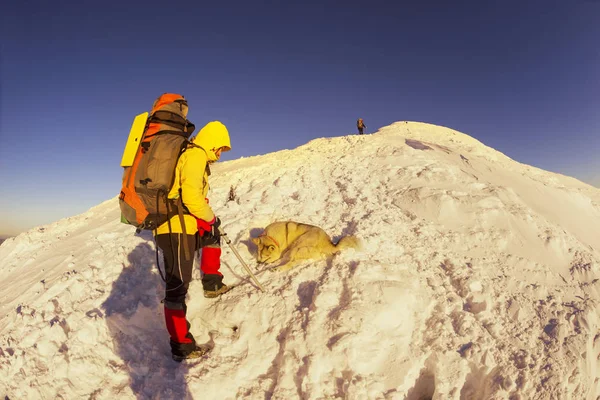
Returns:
<point x="209" y="228"/>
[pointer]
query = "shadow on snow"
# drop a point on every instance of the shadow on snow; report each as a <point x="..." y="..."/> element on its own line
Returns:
<point x="135" y="319"/>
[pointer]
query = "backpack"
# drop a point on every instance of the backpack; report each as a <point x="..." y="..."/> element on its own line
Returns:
<point x="148" y="176"/>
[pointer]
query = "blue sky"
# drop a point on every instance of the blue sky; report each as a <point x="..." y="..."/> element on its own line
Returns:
<point x="522" y="77"/>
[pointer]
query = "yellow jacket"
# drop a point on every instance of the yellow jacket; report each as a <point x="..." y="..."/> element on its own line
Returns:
<point x="191" y="176"/>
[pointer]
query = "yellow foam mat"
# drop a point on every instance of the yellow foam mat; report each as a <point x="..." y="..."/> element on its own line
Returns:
<point x="134" y="139"/>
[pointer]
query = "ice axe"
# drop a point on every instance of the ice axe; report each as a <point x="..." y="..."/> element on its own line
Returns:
<point x="239" y="257"/>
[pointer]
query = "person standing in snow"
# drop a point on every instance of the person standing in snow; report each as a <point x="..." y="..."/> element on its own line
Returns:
<point x="361" y="126"/>
<point x="201" y="230"/>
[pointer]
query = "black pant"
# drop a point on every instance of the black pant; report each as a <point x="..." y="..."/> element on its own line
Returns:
<point x="178" y="270"/>
<point x="360" y="131"/>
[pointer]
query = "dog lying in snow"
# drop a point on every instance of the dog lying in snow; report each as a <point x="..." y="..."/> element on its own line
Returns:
<point x="293" y="242"/>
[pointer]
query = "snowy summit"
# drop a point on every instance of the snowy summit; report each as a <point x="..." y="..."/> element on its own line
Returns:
<point x="478" y="279"/>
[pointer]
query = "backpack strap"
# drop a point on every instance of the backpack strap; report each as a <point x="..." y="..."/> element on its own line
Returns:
<point x="186" y="248"/>
<point x="169" y="118"/>
<point x="168" y="132"/>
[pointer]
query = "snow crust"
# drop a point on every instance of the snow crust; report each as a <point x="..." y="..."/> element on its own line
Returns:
<point x="478" y="279"/>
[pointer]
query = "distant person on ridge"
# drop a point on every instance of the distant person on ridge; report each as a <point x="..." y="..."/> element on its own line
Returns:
<point x="361" y="126"/>
<point x="202" y="231"/>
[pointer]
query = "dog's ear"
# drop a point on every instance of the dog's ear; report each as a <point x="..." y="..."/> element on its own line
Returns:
<point x="256" y="241"/>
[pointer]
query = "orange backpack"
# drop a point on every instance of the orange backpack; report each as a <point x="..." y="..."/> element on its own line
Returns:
<point x="149" y="178"/>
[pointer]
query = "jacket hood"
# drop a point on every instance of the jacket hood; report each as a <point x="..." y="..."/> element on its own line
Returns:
<point x="213" y="136"/>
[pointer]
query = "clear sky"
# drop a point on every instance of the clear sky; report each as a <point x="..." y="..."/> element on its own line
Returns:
<point x="521" y="76"/>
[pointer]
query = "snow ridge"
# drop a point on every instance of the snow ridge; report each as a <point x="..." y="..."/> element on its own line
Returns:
<point x="478" y="279"/>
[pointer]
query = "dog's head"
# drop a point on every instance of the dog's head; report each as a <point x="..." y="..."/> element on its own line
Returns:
<point x="268" y="249"/>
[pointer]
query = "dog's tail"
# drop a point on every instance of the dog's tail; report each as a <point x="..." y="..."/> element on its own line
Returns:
<point x="348" y="242"/>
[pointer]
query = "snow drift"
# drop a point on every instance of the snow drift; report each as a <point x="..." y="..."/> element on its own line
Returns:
<point x="479" y="279"/>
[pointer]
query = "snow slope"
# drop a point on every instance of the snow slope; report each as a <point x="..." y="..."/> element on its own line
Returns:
<point x="479" y="279"/>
